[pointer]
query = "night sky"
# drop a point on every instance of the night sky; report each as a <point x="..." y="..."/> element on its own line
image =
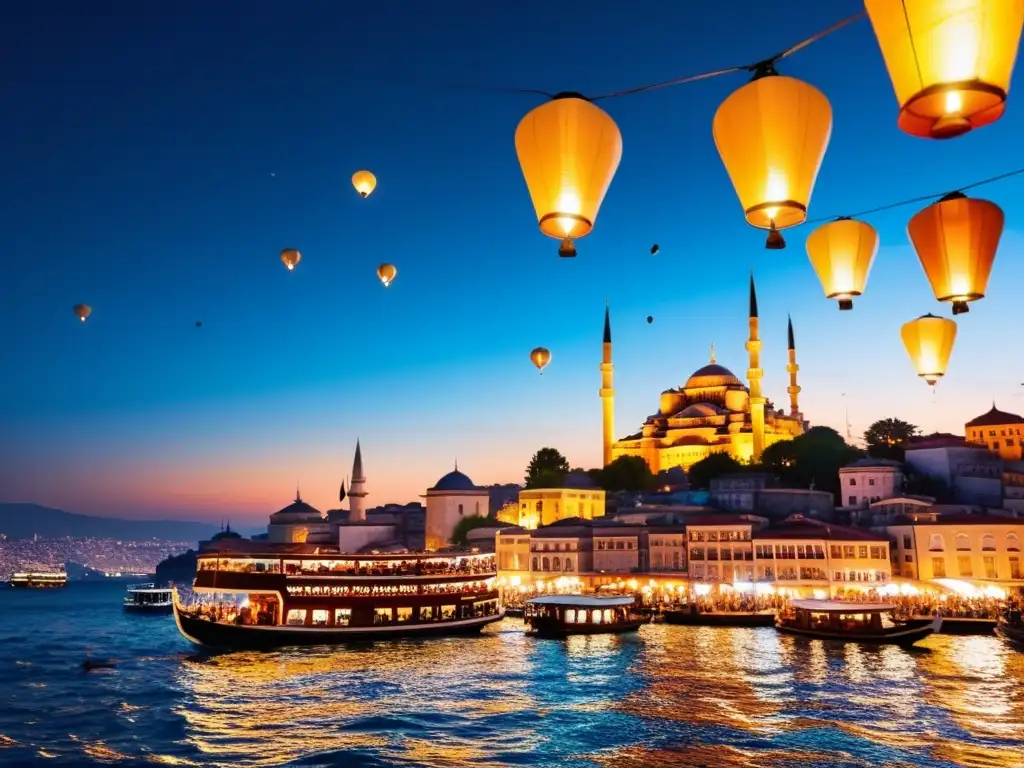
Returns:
<point x="158" y="156"/>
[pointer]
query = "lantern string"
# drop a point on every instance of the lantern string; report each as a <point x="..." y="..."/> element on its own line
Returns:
<point x="919" y="199"/>
<point x="744" y="68"/>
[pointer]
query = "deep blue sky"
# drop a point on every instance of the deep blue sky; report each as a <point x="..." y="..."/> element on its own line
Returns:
<point x="157" y="156"/>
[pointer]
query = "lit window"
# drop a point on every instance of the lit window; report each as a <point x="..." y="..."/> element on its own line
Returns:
<point x="296" y="617"/>
<point x="342" y="617"/>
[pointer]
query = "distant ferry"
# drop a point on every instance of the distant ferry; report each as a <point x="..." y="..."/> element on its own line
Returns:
<point x="148" y="598"/>
<point x="38" y="579"/>
<point x="282" y="597"/>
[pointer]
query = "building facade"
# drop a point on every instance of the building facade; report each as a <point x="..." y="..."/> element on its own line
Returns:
<point x="579" y="497"/>
<point x="999" y="431"/>
<point x="866" y="481"/>
<point x="713" y="412"/>
<point x="451" y="499"/>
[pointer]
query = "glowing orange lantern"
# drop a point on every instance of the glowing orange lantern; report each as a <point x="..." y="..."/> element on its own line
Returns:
<point x="929" y="342"/>
<point x="290" y="257"/>
<point x="950" y="61"/>
<point x="569" y="151"/>
<point x="386" y="273"/>
<point x="364" y="182"/>
<point x="540" y="357"/>
<point x="956" y="240"/>
<point x="83" y="311"/>
<point x="772" y="135"/>
<point x="841" y="252"/>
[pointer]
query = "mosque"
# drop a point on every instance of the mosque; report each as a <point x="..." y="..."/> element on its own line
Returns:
<point x="713" y="412"/>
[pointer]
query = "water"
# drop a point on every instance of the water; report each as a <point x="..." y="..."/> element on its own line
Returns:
<point x="679" y="696"/>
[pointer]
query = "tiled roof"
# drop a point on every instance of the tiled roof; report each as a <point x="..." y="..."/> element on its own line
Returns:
<point x="964" y="518"/>
<point x="815" y="529"/>
<point x="995" y="418"/>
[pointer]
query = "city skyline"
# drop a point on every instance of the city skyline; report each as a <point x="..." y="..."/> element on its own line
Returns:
<point x="183" y="173"/>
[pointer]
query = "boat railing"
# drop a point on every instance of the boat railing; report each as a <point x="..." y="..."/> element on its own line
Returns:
<point x="147" y="585"/>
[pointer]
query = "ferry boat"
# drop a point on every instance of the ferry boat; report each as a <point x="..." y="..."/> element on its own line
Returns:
<point x="561" y="615"/>
<point x="148" y="598"/>
<point x="297" y="595"/>
<point x="38" y="579"/>
<point x="853" y="622"/>
<point x="691" y="615"/>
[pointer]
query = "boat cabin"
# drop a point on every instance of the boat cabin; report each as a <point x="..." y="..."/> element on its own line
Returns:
<point x="835" y="616"/>
<point x="581" y="614"/>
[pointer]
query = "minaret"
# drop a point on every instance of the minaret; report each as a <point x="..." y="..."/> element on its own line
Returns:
<point x="754" y="374"/>
<point x="356" y="489"/>
<point x="791" y="369"/>
<point x="607" y="391"/>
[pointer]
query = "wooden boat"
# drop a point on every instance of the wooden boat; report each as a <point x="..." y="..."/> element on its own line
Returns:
<point x="274" y="598"/>
<point x="562" y="615"/>
<point x="962" y="625"/>
<point x="1011" y="629"/>
<point x="693" y="617"/>
<point x="148" y="598"/>
<point x="853" y="623"/>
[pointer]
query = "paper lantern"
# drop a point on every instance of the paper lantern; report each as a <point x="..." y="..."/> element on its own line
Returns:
<point x="929" y="342"/>
<point x="540" y="357"/>
<point x="956" y="240"/>
<point x="841" y="252"/>
<point x="364" y="182"/>
<point x="772" y="135"/>
<point x="290" y="257"/>
<point x="950" y="61"/>
<point x="569" y="151"/>
<point x="386" y="273"/>
<point x="82" y="311"/>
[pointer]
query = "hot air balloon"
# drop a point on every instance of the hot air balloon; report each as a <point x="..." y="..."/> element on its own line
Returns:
<point x="650" y="319"/>
<point x="290" y="257"/>
<point x="83" y="311"/>
<point x="364" y="182"/>
<point x="929" y="342"/>
<point x="956" y="240"/>
<point x="772" y="134"/>
<point x="950" y="62"/>
<point x="569" y="150"/>
<point x="387" y="273"/>
<point x="199" y="323"/>
<point x="655" y="249"/>
<point x="540" y="357"/>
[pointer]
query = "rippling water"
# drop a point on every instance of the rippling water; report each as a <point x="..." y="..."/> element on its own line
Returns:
<point x="677" y="696"/>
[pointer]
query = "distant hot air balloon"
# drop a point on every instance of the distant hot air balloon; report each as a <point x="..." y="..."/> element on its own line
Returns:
<point x="199" y="323"/>
<point x="83" y="311"/>
<point x="540" y="357"/>
<point x="650" y="319"/>
<point x="655" y="249"/>
<point x="387" y="273"/>
<point x="364" y="182"/>
<point x="290" y="257"/>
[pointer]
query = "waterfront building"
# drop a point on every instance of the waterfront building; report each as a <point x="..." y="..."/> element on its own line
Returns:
<point x="713" y="412"/>
<point x="982" y="550"/>
<point x="868" y="480"/>
<point x="578" y="496"/>
<point x="999" y="431"/>
<point x="973" y="474"/>
<point x="449" y="500"/>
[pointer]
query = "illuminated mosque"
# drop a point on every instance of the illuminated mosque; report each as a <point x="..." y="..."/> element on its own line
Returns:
<point x="713" y="412"/>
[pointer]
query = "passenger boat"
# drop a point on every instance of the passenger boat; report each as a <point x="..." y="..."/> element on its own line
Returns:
<point x="38" y="579"/>
<point x="290" y="595"/>
<point x="561" y="615"/>
<point x="691" y="615"/>
<point x="962" y="625"/>
<point x="148" y="598"/>
<point x="854" y="622"/>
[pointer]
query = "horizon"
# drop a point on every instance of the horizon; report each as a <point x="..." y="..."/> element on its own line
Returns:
<point x="161" y="159"/>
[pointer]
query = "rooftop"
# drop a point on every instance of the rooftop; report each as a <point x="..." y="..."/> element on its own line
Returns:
<point x="994" y="418"/>
<point x="806" y="528"/>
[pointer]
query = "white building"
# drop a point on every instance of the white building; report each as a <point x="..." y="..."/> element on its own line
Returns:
<point x="866" y="481"/>
<point x="452" y="498"/>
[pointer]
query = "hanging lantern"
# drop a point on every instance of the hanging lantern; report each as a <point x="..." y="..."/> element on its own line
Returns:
<point x="364" y="182"/>
<point x="929" y="342"/>
<point x="950" y="61"/>
<point x="569" y="151"/>
<point x="290" y="257"/>
<point x="956" y="240"/>
<point x="772" y="135"/>
<point x="841" y="253"/>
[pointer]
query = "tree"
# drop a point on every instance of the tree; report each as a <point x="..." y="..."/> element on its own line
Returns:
<point x="704" y="471"/>
<point x="813" y="458"/>
<point x="887" y="438"/>
<point x="547" y="469"/>
<point x="460" y="536"/>
<point x="626" y="473"/>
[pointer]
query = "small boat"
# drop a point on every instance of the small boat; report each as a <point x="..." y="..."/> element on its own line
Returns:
<point x="853" y="623"/>
<point x="38" y="579"/>
<point x="561" y="615"/>
<point x="148" y="598"/>
<point x="694" y="617"/>
<point x="962" y="625"/>
<point x="1011" y="629"/>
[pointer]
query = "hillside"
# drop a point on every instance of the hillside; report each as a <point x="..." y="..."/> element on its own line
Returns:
<point x="22" y="521"/>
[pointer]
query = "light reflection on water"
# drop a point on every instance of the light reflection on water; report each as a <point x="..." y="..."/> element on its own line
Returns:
<point x="675" y="696"/>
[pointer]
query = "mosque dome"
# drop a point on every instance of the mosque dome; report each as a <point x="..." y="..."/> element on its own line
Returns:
<point x="699" y="411"/>
<point x="296" y="511"/>
<point x="712" y="375"/>
<point x="455" y="481"/>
